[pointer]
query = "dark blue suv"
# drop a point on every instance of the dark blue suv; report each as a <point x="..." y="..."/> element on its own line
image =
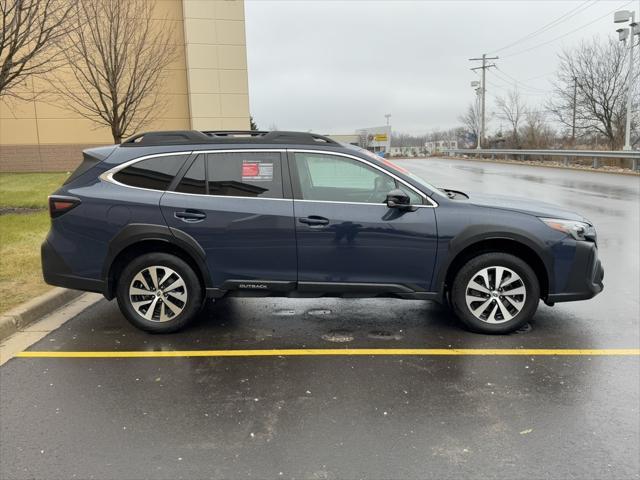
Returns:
<point x="169" y="219"/>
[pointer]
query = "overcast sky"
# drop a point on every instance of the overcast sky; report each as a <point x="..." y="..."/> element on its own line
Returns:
<point x="334" y="66"/>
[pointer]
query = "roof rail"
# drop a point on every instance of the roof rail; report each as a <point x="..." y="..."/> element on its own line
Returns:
<point x="194" y="137"/>
<point x="174" y="137"/>
<point x="235" y="133"/>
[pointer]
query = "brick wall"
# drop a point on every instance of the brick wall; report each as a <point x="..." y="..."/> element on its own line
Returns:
<point x="41" y="158"/>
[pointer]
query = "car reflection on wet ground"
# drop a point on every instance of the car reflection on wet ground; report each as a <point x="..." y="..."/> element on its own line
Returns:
<point x="350" y="416"/>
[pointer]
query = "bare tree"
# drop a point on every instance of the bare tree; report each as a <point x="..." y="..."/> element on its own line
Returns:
<point x="118" y="55"/>
<point x="400" y="139"/>
<point x="29" y="30"/>
<point x="436" y="135"/>
<point x="536" y="133"/>
<point x="472" y="118"/>
<point x="599" y="72"/>
<point x="512" y="109"/>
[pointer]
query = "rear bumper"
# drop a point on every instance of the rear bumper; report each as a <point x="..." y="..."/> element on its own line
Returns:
<point x="56" y="272"/>
<point x="585" y="278"/>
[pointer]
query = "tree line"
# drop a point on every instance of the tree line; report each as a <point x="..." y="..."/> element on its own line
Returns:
<point x="586" y="108"/>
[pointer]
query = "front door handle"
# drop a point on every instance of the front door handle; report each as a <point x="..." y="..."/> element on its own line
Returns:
<point x="314" y="221"/>
<point x="191" y="216"/>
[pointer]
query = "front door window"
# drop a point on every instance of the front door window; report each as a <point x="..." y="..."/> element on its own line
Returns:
<point x="325" y="177"/>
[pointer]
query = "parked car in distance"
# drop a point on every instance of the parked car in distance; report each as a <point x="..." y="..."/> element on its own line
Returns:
<point x="168" y="219"/>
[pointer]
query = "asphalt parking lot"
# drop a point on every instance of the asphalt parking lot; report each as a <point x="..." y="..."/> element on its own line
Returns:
<point x="386" y="415"/>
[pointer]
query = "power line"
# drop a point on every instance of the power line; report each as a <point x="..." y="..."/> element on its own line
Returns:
<point x="551" y="24"/>
<point x="539" y="76"/>
<point x="515" y="82"/>
<point x="524" y="93"/>
<point x="569" y="32"/>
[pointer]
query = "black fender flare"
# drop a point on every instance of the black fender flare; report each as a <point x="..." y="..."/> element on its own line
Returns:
<point x="477" y="234"/>
<point x="140" y="232"/>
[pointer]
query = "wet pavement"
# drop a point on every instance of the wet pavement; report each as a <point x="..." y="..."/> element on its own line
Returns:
<point x="345" y="416"/>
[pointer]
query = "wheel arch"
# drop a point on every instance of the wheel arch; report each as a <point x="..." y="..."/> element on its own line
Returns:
<point x="138" y="239"/>
<point x="515" y="247"/>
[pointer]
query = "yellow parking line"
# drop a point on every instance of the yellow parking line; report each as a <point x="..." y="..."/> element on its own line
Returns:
<point x="339" y="351"/>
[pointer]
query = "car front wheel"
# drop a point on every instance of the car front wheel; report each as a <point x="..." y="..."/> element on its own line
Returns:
<point x="495" y="293"/>
<point x="159" y="293"/>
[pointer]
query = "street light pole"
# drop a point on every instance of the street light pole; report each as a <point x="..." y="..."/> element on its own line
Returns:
<point x="627" y="133"/>
<point x="476" y="112"/>
<point x="575" y="98"/>
<point x="481" y="125"/>
<point x="628" y="35"/>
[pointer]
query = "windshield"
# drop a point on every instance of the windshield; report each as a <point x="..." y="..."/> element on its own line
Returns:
<point x="392" y="166"/>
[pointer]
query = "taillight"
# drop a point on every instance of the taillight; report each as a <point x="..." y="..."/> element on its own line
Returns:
<point x="59" y="205"/>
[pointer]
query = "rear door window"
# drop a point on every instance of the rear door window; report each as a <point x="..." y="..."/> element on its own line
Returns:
<point x="154" y="173"/>
<point x="194" y="181"/>
<point x="245" y="174"/>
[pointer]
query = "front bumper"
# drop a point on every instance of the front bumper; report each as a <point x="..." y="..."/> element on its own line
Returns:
<point x="585" y="278"/>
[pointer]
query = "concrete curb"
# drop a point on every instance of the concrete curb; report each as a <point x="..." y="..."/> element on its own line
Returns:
<point x="27" y="313"/>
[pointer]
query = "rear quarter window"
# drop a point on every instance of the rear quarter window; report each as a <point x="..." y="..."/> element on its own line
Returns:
<point x="154" y="173"/>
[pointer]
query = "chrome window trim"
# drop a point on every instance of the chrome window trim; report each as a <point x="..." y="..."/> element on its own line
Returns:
<point x="382" y="204"/>
<point x="229" y="196"/>
<point x="433" y="203"/>
<point x="108" y="175"/>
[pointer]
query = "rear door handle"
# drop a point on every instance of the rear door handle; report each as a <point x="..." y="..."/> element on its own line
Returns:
<point x="314" y="221"/>
<point x="191" y="216"/>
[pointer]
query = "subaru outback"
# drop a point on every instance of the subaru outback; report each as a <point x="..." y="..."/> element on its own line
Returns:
<point x="167" y="220"/>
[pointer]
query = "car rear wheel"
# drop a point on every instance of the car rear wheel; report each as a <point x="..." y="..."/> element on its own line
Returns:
<point x="159" y="293"/>
<point x="495" y="293"/>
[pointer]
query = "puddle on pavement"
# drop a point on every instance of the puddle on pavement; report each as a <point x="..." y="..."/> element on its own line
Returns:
<point x="338" y="336"/>
<point x="285" y="313"/>
<point x="319" y="312"/>
<point x="384" y="335"/>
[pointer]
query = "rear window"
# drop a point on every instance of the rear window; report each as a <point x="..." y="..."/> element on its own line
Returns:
<point x="155" y="173"/>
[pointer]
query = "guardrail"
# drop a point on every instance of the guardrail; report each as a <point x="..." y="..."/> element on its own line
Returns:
<point x="565" y="155"/>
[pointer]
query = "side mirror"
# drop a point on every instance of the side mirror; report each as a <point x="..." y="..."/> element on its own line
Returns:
<point x="398" y="199"/>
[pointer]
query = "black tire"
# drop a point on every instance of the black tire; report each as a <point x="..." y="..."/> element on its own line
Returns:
<point x="170" y="322"/>
<point x="527" y="303"/>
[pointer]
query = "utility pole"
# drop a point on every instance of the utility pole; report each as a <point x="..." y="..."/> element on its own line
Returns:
<point x="628" y="35"/>
<point x="483" y="90"/>
<point x="575" y="98"/>
<point x="631" y="40"/>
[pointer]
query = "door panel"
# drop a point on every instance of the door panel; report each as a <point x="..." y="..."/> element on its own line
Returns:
<point x="346" y="234"/>
<point x="366" y="244"/>
<point x="246" y="236"/>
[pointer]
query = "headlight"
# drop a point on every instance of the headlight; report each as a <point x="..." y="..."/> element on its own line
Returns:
<point x="578" y="230"/>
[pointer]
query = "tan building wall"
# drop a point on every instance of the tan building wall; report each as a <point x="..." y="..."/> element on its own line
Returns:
<point x="206" y="88"/>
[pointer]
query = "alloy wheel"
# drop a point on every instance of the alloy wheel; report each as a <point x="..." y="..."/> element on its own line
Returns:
<point x="495" y="294"/>
<point x="158" y="293"/>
